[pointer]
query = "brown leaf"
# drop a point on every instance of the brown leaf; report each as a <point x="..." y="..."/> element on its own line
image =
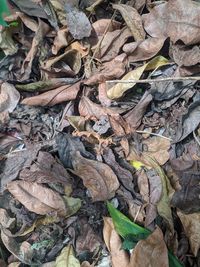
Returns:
<point x="150" y="252"/>
<point x="87" y="240"/>
<point x="60" y="40"/>
<point x="170" y="19"/>
<point x="107" y="72"/>
<point x="37" y="198"/>
<point x="103" y="98"/>
<point x="124" y="175"/>
<point x="134" y="117"/>
<point x="87" y="108"/>
<point x="132" y="19"/>
<point x="9" y="97"/>
<point x="46" y="170"/>
<point x="111" y="44"/>
<point x="98" y="177"/>
<point x="157" y="148"/>
<point x="191" y="224"/>
<point x="186" y="56"/>
<point x="53" y="97"/>
<point x="139" y="51"/>
<point x="113" y="242"/>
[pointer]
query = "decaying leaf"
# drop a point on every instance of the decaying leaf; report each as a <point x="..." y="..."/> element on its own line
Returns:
<point x="150" y="252"/>
<point x="113" y="242"/>
<point x="134" y="116"/>
<point x="132" y="19"/>
<point x="38" y="198"/>
<point x="67" y="258"/>
<point x="97" y="177"/>
<point x="21" y="251"/>
<point x="53" y="97"/>
<point x="77" y="22"/>
<point x="7" y="44"/>
<point x="170" y="19"/>
<point x="119" y="89"/>
<point x="9" y="97"/>
<point x="191" y="224"/>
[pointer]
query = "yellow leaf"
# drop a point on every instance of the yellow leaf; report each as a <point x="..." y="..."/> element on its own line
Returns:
<point x="120" y="88"/>
<point x="137" y="164"/>
<point x="67" y="258"/>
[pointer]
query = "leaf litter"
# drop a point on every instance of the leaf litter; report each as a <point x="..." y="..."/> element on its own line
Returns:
<point x="99" y="133"/>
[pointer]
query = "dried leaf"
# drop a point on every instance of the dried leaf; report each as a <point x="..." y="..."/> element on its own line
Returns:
<point x="9" y="97"/>
<point x="21" y="251"/>
<point x="67" y="258"/>
<point x="38" y="198"/>
<point x="170" y="19"/>
<point x="134" y="116"/>
<point x="139" y="51"/>
<point x="189" y="122"/>
<point x="157" y="148"/>
<point x="113" y="242"/>
<point x="191" y="224"/>
<point x="60" y="40"/>
<point x="150" y="252"/>
<point x="53" y="97"/>
<point x="132" y="19"/>
<point x="7" y="44"/>
<point x="6" y="221"/>
<point x="119" y="89"/>
<point x="97" y="177"/>
<point x="186" y="56"/>
<point x="107" y="72"/>
<point x="77" y="22"/>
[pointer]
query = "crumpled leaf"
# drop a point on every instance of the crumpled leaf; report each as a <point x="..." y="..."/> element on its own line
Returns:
<point x="53" y="97"/>
<point x="60" y="40"/>
<point x="120" y="88"/>
<point x="186" y="56"/>
<point x="38" y="198"/>
<point x="189" y="122"/>
<point x="111" y="44"/>
<point x="113" y="242"/>
<point x="150" y="252"/>
<point x="107" y="72"/>
<point x="30" y="8"/>
<point x="9" y="97"/>
<point x="7" y="43"/>
<point x="21" y="251"/>
<point x="191" y="224"/>
<point x="170" y="19"/>
<point x="134" y="116"/>
<point x="98" y="177"/>
<point x="88" y="240"/>
<point x="143" y="50"/>
<point x="67" y="258"/>
<point x="157" y="148"/>
<point x="132" y="19"/>
<point x="6" y="220"/>
<point x="77" y="22"/>
<point x="186" y="197"/>
<point x="15" y="163"/>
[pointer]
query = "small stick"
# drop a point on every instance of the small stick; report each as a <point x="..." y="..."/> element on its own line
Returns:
<point x="159" y="135"/>
<point x="174" y="79"/>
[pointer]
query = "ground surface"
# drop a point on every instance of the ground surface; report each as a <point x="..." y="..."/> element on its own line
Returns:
<point x="100" y="113"/>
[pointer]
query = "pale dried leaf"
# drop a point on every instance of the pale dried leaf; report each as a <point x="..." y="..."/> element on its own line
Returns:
<point x="9" y="97"/>
<point x="113" y="242"/>
<point x="191" y="224"/>
<point x="67" y="258"/>
<point x="132" y="19"/>
<point x="97" y="177"/>
<point x="150" y="252"/>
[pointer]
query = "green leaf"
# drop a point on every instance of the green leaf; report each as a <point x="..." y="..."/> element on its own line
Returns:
<point x="125" y="227"/>
<point x="130" y="241"/>
<point x="3" y="10"/>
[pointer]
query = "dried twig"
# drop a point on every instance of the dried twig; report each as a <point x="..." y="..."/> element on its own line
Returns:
<point x="174" y="79"/>
<point x="159" y="135"/>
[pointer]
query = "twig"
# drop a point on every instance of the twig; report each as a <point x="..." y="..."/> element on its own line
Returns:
<point x="174" y="79"/>
<point x="159" y="135"/>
